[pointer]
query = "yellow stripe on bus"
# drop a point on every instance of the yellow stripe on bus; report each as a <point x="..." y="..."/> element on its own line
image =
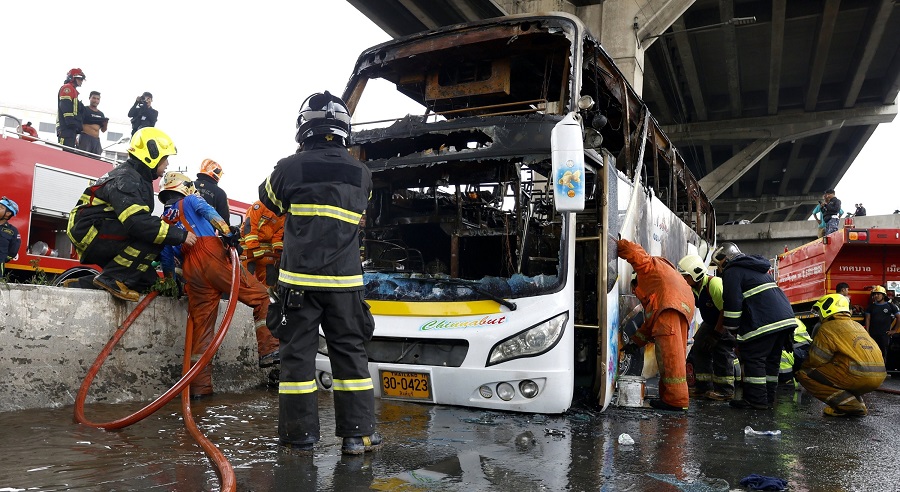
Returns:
<point x="462" y="308"/>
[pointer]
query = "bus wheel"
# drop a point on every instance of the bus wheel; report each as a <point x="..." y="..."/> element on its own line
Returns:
<point x="74" y="273"/>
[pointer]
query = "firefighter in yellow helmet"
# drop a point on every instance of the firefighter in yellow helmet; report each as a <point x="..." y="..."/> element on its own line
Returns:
<point x="113" y="226"/>
<point x="844" y="362"/>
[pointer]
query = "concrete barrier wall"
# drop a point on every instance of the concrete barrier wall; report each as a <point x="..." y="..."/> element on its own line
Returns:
<point x="50" y="336"/>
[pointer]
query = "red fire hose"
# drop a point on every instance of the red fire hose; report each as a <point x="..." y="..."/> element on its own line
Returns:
<point x="223" y="467"/>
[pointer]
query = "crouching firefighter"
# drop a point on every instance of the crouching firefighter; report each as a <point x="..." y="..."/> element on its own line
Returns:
<point x="112" y="224"/>
<point x="844" y="361"/>
<point x="207" y="273"/>
<point x="323" y="191"/>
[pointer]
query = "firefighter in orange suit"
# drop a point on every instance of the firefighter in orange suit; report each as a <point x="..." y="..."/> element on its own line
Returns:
<point x="844" y="361"/>
<point x="207" y="273"/>
<point x="262" y="240"/>
<point x="668" y="307"/>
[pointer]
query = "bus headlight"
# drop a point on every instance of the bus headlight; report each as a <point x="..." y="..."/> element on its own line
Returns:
<point x="528" y="343"/>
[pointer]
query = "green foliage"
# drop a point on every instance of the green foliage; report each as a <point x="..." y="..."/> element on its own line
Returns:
<point x="40" y="276"/>
<point x="167" y="287"/>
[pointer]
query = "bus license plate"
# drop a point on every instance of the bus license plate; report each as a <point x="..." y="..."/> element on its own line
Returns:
<point x="407" y="385"/>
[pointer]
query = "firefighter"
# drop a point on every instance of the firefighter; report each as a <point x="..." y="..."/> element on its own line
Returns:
<point x="759" y="313"/>
<point x="262" y="240"/>
<point x="713" y="349"/>
<point x="208" y="186"/>
<point x="207" y="273"/>
<point x="10" y="240"/>
<point x="844" y="361"/>
<point x="668" y="307"/>
<point x="69" y="108"/>
<point x="324" y="192"/>
<point x="792" y="360"/>
<point x="112" y="224"/>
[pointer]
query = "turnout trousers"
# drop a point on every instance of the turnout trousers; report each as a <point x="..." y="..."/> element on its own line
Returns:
<point x="761" y="356"/>
<point x="207" y="274"/>
<point x="838" y="388"/>
<point x="347" y="325"/>
<point x="670" y="336"/>
<point x="122" y="258"/>
<point x="264" y="268"/>
<point x="714" y="369"/>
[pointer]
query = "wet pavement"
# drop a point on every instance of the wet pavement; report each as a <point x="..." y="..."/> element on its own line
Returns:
<point x="457" y="449"/>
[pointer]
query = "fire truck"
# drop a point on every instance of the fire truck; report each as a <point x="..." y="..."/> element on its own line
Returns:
<point x="46" y="182"/>
<point x="860" y="257"/>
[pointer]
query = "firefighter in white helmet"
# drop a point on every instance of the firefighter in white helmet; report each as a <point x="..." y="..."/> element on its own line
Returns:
<point x="713" y="350"/>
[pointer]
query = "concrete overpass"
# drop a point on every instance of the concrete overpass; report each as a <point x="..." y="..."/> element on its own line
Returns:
<point x="769" y="101"/>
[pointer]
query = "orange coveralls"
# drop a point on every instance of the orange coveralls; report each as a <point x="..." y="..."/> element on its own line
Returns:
<point x="262" y="240"/>
<point x="668" y="308"/>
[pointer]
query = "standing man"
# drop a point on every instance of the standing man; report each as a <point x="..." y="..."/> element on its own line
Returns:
<point x="263" y="241"/>
<point x="881" y="318"/>
<point x="94" y="122"/>
<point x="207" y="274"/>
<point x="10" y="240"/>
<point x="844" y="362"/>
<point x="324" y="192"/>
<point x="208" y="186"/>
<point x="713" y="350"/>
<point x="668" y="309"/>
<point x="142" y="113"/>
<point x="761" y="316"/>
<point x="69" y="109"/>
<point x="113" y="226"/>
<point x="831" y="212"/>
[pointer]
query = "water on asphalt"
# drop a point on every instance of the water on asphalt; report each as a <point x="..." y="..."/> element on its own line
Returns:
<point x="457" y="449"/>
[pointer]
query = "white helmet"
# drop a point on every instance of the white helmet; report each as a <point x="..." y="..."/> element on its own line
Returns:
<point x="693" y="266"/>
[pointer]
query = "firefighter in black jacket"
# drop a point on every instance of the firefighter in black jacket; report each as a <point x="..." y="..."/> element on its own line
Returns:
<point x="324" y="192"/>
<point x="207" y="184"/>
<point x="10" y="240"/>
<point x="759" y="313"/>
<point x="112" y="225"/>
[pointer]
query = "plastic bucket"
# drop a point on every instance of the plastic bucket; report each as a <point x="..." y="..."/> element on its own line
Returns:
<point x="631" y="391"/>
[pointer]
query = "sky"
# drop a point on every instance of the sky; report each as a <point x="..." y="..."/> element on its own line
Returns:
<point x="228" y="82"/>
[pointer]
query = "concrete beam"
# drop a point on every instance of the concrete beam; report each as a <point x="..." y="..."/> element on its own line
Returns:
<point x="789" y="125"/>
<point x="664" y="14"/>
<point x="776" y="53"/>
<point x="716" y="182"/>
<point x="820" y="56"/>
<point x="686" y="54"/>
<point x="730" y="57"/>
<point x="419" y="14"/>
<point x="875" y="25"/>
<point x="791" y="170"/>
<point x="820" y="162"/>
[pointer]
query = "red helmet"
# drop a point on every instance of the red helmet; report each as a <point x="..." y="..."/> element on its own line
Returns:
<point x="75" y="72"/>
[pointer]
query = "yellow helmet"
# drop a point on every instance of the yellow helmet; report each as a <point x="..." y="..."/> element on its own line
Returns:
<point x="693" y="266"/>
<point x="150" y="145"/>
<point x="831" y="304"/>
<point x="175" y="182"/>
<point x="879" y="289"/>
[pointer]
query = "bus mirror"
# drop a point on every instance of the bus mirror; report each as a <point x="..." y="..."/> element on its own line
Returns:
<point x="567" y="155"/>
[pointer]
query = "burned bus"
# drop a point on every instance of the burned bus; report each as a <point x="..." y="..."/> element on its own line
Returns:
<point x="507" y="155"/>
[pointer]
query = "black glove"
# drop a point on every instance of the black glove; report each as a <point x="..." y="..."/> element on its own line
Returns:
<point x="709" y="342"/>
<point x="232" y="240"/>
<point x="630" y="348"/>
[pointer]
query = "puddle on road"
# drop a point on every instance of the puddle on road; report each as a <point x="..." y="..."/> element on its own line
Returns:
<point x="455" y="449"/>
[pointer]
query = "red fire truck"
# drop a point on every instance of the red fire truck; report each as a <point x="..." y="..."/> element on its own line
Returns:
<point x="46" y="183"/>
<point x="863" y="258"/>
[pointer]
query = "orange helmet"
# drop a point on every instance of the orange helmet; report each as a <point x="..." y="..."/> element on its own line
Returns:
<point x="212" y="169"/>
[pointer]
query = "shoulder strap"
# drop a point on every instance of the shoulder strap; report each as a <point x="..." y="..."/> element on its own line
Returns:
<point x="181" y="217"/>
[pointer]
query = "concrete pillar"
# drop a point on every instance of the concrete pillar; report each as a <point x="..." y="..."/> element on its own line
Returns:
<point x="625" y="28"/>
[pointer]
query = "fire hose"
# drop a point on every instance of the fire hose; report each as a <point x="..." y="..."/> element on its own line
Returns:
<point x="189" y="372"/>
